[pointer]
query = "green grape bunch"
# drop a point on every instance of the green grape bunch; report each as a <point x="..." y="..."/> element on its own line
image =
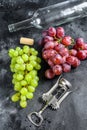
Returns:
<point x="25" y="65"/>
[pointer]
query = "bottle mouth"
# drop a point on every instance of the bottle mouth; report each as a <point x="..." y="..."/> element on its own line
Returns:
<point x="11" y="28"/>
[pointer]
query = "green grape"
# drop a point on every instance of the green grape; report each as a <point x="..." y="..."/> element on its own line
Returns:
<point x="11" y="52"/>
<point x="35" y="53"/>
<point x="38" y="67"/>
<point x="33" y="63"/>
<point x="15" y="70"/>
<point x="21" y="72"/>
<point x="32" y="50"/>
<point x="20" y="52"/>
<point x="28" y="78"/>
<point x="23" y="98"/>
<point x="17" y="94"/>
<point x="25" y="57"/>
<point x="14" y="76"/>
<point x="15" y="53"/>
<point x="29" y="67"/>
<point x="29" y="95"/>
<point x="13" y="61"/>
<point x="23" y="83"/>
<point x="23" y="104"/>
<point x="14" y="81"/>
<point x="12" y="68"/>
<point x="17" y="67"/>
<point x="19" y="77"/>
<point x="18" y="48"/>
<point x="33" y="73"/>
<point x="26" y="49"/>
<point x="15" y="98"/>
<point x="31" y="89"/>
<point x="20" y="60"/>
<point x="38" y="60"/>
<point x="32" y="57"/>
<point x="25" y="65"/>
<point x="22" y="67"/>
<point x="24" y="91"/>
<point x="34" y="83"/>
<point x="36" y="78"/>
<point x="17" y="86"/>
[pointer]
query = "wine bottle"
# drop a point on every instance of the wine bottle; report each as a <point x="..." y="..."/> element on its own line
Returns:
<point x="53" y="15"/>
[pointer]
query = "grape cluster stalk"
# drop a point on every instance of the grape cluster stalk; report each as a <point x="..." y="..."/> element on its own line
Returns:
<point x="61" y="52"/>
<point x="25" y="65"/>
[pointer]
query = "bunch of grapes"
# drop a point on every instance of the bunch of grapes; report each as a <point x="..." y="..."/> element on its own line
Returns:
<point x="24" y="64"/>
<point x="61" y="52"/>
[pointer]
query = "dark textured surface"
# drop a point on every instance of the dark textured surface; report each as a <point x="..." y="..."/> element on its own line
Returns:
<point x="72" y="114"/>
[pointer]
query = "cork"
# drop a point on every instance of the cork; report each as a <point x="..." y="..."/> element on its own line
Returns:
<point x="27" y="41"/>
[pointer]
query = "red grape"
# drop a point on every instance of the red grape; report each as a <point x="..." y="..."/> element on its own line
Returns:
<point x="51" y="53"/>
<point x="43" y="49"/>
<point x="64" y="52"/>
<point x="41" y="42"/>
<point x="58" y="46"/>
<point x="50" y="62"/>
<point x="79" y="40"/>
<point x="85" y="46"/>
<point x="76" y="62"/>
<point x="49" y="74"/>
<point x="57" y="69"/>
<point x="49" y="45"/>
<point x="55" y="43"/>
<point x="64" y="59"/>
<point x="66" y="67"/>
<point x="60" y="32"/>
<point x="67" y="40"/>
<point x="73" y="52"/>
<point x="48" y="38"/>
<point x="58" y="53"/>
<point x="81" y="54"/>
<point x="57" y="59"/>
<point x="45" y="33"/>
<point x="70" y="60"/>
<point x="75" y="47"/>
<point x="52" y="31"/>
<point x="80" y="45"/>
<point x="85" y="52"/>
<point x="46" y="54"/>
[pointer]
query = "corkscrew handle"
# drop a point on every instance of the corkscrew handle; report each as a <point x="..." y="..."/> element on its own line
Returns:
<point x="37" y="115"/>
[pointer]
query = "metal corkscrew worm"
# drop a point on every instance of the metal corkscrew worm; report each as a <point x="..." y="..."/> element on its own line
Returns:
<point x="54" y="97"/>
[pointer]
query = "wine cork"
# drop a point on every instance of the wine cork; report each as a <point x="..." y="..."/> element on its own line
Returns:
<point x="27" y="41"/>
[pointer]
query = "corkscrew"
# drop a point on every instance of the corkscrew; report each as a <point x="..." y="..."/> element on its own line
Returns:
<point x="54" y="97"/>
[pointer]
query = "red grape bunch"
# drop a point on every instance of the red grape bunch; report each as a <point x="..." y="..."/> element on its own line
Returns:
<point x="61" y="52"/>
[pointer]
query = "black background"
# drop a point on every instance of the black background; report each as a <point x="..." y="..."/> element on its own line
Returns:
<point x="72" y="114"/>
